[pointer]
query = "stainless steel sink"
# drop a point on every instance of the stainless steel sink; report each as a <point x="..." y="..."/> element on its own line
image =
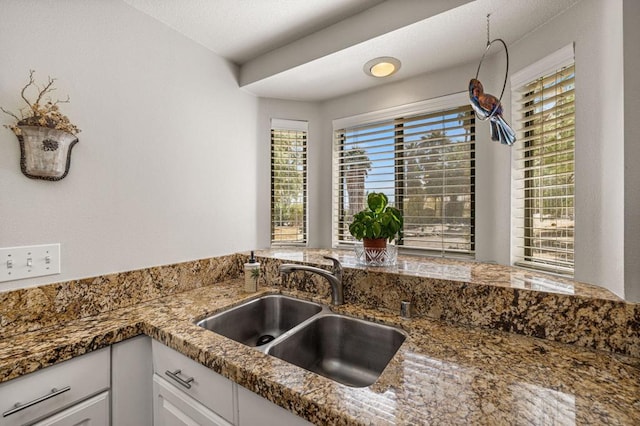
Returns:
<point x="262" y="320"/>
<point x="350" y="351"/>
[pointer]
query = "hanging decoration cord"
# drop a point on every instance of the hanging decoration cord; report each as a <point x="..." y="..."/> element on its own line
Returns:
<point x="488" y="23"/>
<point x="506" y="73"/>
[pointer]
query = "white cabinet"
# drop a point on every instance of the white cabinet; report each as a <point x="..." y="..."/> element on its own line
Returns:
<point x="192" y="380"/>
<point x="91" y="412"/>
<point x="48" y="391"/>
<point x="131" y="384"/>
<point x="172" y="407"/>
<point x="255" y="410"/>
<point x="137" y="382"/>
<point x="187" y="393"/>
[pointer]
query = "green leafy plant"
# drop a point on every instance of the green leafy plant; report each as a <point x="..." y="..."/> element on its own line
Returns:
<point x="40" y="112"/>
<point x="378" y="220"/>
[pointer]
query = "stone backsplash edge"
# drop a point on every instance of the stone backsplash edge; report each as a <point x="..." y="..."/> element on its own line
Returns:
<point x="33" y="308"/>
<point x="590" y="322"/>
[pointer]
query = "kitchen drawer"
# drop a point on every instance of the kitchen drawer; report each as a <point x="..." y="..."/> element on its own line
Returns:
<point x="73" y="381"/>
<point x="91" y="412"/>
<point x="172" y="407"/>
<point x="207" y="387"/>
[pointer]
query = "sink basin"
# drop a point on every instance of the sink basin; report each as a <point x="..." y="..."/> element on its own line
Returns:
<point x="259" y="321"/>
<point x="350" y="351"/>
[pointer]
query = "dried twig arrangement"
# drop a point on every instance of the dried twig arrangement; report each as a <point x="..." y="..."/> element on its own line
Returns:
<point x="41" y="114"/>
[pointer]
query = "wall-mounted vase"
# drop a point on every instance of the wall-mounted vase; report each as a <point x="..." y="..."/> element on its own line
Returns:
<point x="45" y="153"/>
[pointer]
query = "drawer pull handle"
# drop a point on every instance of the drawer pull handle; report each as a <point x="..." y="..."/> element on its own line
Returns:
<point x="19" y="407"/>
<point x="174" y="375"/>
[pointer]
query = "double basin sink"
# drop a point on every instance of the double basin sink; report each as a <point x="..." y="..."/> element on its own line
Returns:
<point x="351" y="351"/>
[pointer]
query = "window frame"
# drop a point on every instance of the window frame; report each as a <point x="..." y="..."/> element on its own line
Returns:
<point x="408" y="111"/>
<point x="294" y="126"/>
<point x="551" y="64"/>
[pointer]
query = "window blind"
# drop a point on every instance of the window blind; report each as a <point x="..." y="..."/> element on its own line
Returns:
<point x="544" y="178"/>
<point x="288" y="182"/>
<point x="425" y="165"/>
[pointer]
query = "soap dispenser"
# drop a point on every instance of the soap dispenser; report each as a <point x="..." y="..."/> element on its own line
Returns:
<point x="251" y="274"/>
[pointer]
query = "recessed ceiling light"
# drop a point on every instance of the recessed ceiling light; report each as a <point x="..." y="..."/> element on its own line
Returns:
<point x="382" y="67"/>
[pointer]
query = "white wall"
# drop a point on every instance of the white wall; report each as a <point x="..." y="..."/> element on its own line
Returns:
<point x="601" y="226"/>
<point x="153" y="180"/>
<point x="596" y="28"/>
<point x="492" y="158"/>
<point x="631" y="16"/>
<point x="165" y="170"/>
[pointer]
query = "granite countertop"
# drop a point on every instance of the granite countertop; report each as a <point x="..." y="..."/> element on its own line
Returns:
<point x="442" y="373"/>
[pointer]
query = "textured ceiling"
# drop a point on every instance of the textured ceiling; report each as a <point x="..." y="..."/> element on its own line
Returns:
<point x="240" y="30"/>
<point x="315" y="49"/>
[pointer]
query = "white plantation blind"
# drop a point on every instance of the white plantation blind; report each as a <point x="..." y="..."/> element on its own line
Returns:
<point x="424" y="162"/>
<point x="288" y="182"/>
<point x="544" y="165"/>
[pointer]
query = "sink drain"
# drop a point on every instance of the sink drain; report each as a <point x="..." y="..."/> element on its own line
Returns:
<point x="264" y="339"/>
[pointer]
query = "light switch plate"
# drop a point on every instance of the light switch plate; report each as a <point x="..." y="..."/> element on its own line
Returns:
<point x="17" y="263"/>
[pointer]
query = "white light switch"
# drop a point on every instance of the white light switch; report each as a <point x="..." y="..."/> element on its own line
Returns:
<point x="17" y="263"/>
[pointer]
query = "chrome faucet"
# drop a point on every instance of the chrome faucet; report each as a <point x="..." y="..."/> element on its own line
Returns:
<point x="334" y="277"/>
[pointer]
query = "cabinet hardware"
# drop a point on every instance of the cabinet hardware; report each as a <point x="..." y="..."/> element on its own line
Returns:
<point x="19" y="407"/>
<point x="174" y="375"/>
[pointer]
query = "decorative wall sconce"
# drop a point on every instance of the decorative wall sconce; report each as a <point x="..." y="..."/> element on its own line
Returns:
<point x="46" y="135"/>
<point x="45" y="153"/>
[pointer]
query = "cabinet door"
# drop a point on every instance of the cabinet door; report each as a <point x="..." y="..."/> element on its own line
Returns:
<point x="205" y="386"/>
<point x="54" y="388"/>
<point x="131" y="382"/>
<point x="172" y="407"/>
<point x="92" y="412"/>
<point x="255" y="410"/>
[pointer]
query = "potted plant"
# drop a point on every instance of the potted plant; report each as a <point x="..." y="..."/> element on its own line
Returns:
<point x="46" y="135"/>
<point x="376" y="224"/>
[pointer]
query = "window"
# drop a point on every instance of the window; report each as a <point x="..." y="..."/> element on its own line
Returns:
<point x="288" y="182"/>
<point x="422" y="157"/>
<point x="544" y="164"/>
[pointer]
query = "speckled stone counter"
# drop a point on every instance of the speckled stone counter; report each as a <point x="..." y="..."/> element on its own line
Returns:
<point x="478" y="295"/>
<point x="442" y="374"/>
